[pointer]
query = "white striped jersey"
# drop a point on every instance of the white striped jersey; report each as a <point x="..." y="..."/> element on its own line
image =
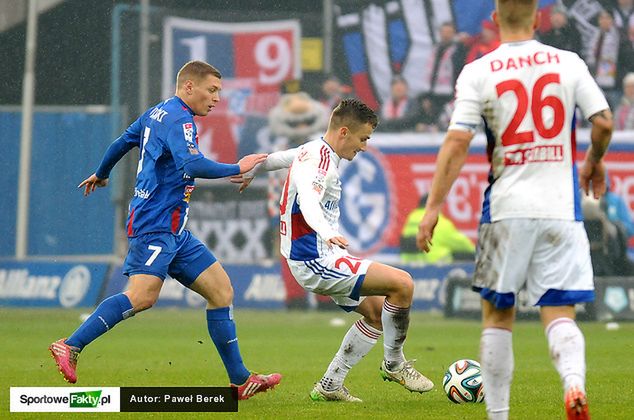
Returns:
<point x="526" y="93"/>
<point x="309" y="206"/>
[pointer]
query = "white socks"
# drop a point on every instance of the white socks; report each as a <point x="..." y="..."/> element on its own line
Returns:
<point x="395" y="322"/>
<point x="358" y="342"/>
<point x="567" y="351"/>
<point x="496" y="360"/>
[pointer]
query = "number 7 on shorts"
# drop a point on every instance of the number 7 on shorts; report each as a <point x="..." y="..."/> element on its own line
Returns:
<point x="155" y="251"/>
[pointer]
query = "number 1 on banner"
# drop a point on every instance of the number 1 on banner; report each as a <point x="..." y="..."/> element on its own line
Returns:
<point x="197" y="47"/>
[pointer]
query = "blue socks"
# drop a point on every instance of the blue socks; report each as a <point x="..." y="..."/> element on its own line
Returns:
<point x="108" y="314"/>
<point x="222" y="330"/>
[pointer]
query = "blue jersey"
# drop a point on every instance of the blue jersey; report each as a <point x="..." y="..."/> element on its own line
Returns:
<point x="167" y="138"/>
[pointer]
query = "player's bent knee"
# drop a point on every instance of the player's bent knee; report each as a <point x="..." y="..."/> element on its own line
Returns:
<point x="142" y="303"/>
<point x="141" y="299"/>
<point x="406" y="284"/>
<point x="219" y="297"/>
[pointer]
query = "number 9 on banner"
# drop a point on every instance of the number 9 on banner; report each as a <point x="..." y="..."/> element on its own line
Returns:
<point x="273" y="57"/>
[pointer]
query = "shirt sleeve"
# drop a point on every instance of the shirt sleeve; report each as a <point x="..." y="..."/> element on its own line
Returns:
<point x="311" y="183"/>
<point x="588" y="94"/>
<point x="274" y="161"/>
<point x="279" y="160"/>
<point x="181" y="141"/>
<point x="206" y="168"/>
<point x="467" y="114"/>
<point x="130" y="138"/>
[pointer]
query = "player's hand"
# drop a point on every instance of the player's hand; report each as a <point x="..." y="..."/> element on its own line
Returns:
<point x="592" y="174"/>
<point x="249" y="161"/>
<point x="91" y="183"/>
<point x="426" y="229"/>
<point x="242" y="180"/>
<point x="339" y="241"/>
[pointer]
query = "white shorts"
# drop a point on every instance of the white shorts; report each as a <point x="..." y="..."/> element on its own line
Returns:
<point x="338" y="276"/>
<point x="550" y="257"/>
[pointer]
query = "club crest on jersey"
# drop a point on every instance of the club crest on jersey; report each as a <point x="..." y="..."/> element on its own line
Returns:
<point x="189" y="189"/>
<point x="302" y="156"/>
<point x="188" y="132"/>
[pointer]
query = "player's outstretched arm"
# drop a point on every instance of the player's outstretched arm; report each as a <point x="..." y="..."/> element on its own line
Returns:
<point x="451" y="158"/>
<point x="274" y="161"/>
<point x="209" y="169"/>
<point x="592" y="172"/>
<point x="91" y="183"/>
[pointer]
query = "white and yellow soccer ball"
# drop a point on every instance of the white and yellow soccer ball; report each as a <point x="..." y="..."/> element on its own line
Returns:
<point x="463" y="382"/>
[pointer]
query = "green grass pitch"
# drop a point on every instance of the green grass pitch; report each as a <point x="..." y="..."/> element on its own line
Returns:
<point x="164" y="347"/>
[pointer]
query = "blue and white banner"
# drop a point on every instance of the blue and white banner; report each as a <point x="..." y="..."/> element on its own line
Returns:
<point x="261" y="287"/>
<point x="46" y="284"/>
<point x="254" y="286"/>
<point x="430" y="283"/>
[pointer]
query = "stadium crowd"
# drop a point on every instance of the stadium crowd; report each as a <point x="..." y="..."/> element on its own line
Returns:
<point x="606" y="43"/>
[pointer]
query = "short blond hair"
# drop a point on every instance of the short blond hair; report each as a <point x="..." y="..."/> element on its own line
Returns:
<point x="196" y="70"/>
<point x="516" y="13"/>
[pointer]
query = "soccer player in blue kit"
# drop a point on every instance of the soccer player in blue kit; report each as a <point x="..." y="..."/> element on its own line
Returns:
<point x="169" y="160"/>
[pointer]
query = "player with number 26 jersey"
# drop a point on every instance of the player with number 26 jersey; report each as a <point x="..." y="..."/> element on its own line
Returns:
<point x="531" y="237"/>
<point x="527" y="92"/>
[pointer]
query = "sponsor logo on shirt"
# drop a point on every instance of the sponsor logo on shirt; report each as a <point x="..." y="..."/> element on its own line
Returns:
<point x="551" y="153"/>
<point x="192" y="149"/>
<point x="141" y="193"/>
<point x="318" y="187"/>
<point x="188" y="132"/>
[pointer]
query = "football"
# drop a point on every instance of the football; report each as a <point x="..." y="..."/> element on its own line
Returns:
<point x="463" y="382"/>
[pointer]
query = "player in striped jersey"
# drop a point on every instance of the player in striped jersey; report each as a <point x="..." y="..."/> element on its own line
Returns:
<point x="317" y="256"/>
<point x="531" y="231"/>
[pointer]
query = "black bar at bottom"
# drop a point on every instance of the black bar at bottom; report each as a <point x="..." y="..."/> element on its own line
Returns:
<point x="184" y="399"/>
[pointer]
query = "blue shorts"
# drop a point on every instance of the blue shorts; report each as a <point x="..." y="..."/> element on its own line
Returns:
<point x="182" y="256"/>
